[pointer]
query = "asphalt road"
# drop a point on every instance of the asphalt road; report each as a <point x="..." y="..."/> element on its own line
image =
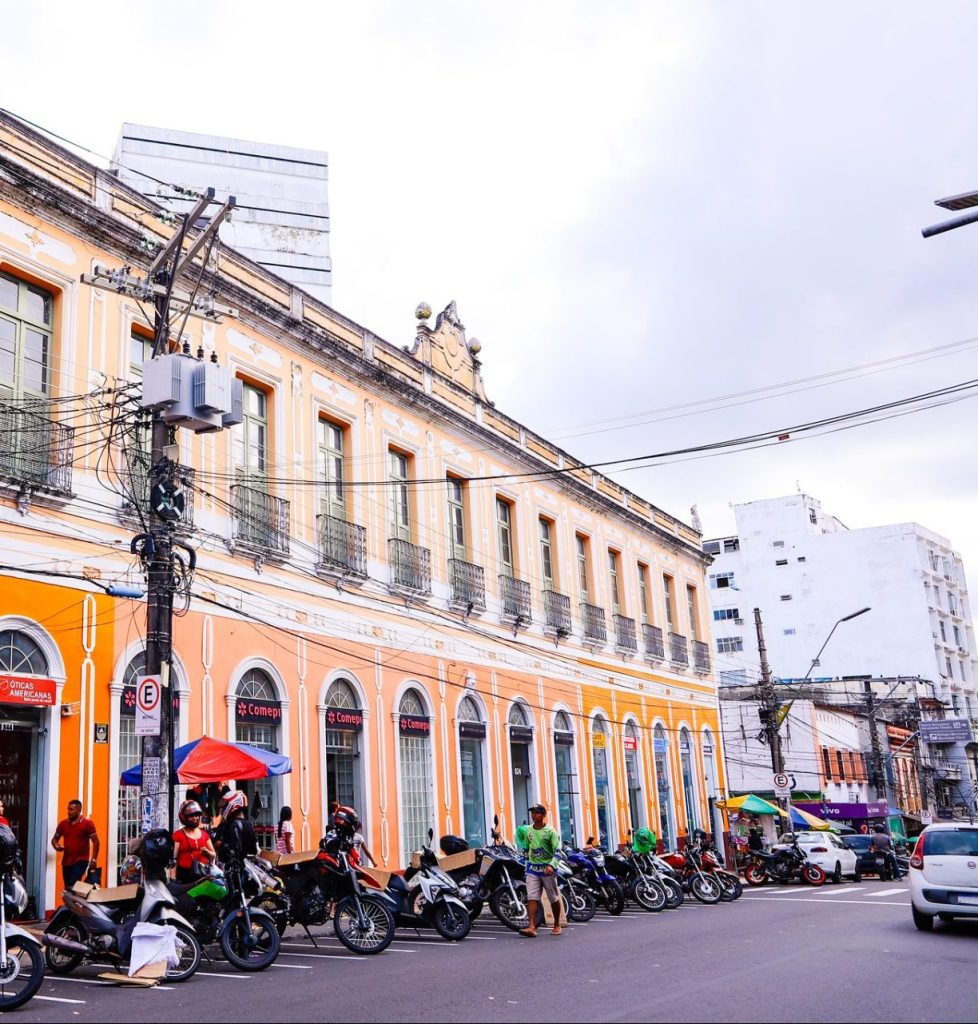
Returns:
<point x="838" y="953"/>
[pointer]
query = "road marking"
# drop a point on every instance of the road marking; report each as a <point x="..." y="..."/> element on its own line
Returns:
<point x="837" y="891"/>
<point x="887" y="892"/>
<point x="78" y="981"/>
<point x="230" y="977"/>
<point x="292" y="967"/>
<point x="328" y="956"/>
<point x="808" y="899"/>
<point x="56" y="999"/>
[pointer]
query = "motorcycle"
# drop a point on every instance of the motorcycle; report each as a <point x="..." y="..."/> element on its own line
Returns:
<point x="426" y="897"/>
<point x="638" y="884"/>
<point x="216" y="906"/>
<point x="729" y="881"/>
<point x="590" y="865"/>
<point x="579" y="901"/>
<point x="97" y="924"/>
<point x="21" y="960"/>
<point x="694" y="880"/>
<point x="786" y="863"/>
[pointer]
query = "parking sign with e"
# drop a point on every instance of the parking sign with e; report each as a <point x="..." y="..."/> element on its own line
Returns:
<point x="148" y="692"/>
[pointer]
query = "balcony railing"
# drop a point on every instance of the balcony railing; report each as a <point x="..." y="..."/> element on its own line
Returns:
<point x="652" y="638"/>
<point x="410" y="566"/>
<point x="625" y="639"/>
<point x="342" y="547"/>
<point x="701" y="657"/>
<point x="594" y="623"/>
<point x="514" y="597"/>
<point x="678" y="651"/>
<point x="557" y="613"/>
<point x="35" y="451"/>
<point x="468" y="585"/>
<point x="261" y="521"/>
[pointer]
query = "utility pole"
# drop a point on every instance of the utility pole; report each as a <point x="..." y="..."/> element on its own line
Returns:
<point x="879" y="772"/>
<point x="769" y="711"/>
<point x="156" y="546"/>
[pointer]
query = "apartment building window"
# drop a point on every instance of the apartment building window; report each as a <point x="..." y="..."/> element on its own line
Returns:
<point x="733" y="677"/>
<point x="812" y="517"/>
<point x="456" y="519"/>
<point x="26" y="321"/>
<point x="332" y="458"/>
<point x="583" y="576"/>
<point x="668" y="590"/>
<point x="952" y="603"/>
<point x="251" y="436"/>
<point x="786" y="597"/>
<point x="933" y="560"/>
<point x="504" y="536"/>
<point x="827" y="764"/>
<point x="614" y="560"/>
<point x="788" y="632"/>
<point x="693" y="612"/>
<point x="840" y="764"/>
<point x="643" y="593"/>
<point x="941" y="627"/>
<point x="711" y="547"/>
<point x="721" y="580"/>
<point x="546" y="553"/>
<point x="957" y="636"/>
<point x="781" y="561"/>
<point x="400" y="505"/>
<point x="723" y="614"/>
<point x="731" y="544"/>
<point x="729" y="644"/>
<point x="947" y="665"/>
<point x="777" y="543"/>
<point x="140" y="349"/>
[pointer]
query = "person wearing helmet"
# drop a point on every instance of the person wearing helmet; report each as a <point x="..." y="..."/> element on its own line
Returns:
<point x="236" y="837"/>
<point x="880" y="843"/>
<point x="644" y="841"/>
<point x="192" y="845"/>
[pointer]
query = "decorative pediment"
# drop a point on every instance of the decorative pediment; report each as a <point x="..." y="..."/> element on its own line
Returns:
<point x="446" y="350"/>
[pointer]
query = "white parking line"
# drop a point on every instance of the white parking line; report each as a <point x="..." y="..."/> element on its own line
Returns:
<point x="230" y="977"/>
<point x="838" y="890"/>
<point x="292" y="967"/>
<point x="56" y="999"/>
<point x="808" y="899"/>
<point x="887" y="892"/>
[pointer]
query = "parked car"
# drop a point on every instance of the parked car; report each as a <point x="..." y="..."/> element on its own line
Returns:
<point x="944" y="874"/>
<point x="831" y="854"/>
<point x="867" y="858"/>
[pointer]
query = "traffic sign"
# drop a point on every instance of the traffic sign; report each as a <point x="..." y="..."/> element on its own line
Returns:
<point x="782" y="792"/>
<point x="926" y="818"/>
<point x="148" y="692"/>
<point x="781" y="781"/>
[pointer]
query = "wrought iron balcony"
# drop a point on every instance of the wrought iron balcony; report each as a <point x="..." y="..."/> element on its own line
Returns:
<point x="655" y="649"/>
<point x="468" y="585"/>
<point x="515" y="598"/>
<point x="594" y="623"/>
<point x="678" y="651"/>
<point x="625" y="639"/>
<point x="557" y="613"/>
<point x="342" y="547"/>
<point x="261" y="521"/>
<point x="35" y="452"/>
<point x="410" y="566"/>
<point x="701" y="657"/>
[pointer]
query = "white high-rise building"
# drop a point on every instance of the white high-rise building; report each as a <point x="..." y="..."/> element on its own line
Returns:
<point x="282" y="215"/>
<point x="805" y="570"/>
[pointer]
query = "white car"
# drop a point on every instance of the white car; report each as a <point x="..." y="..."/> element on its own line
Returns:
<point x="944" y="874"/>
<point x="830" y="853"/>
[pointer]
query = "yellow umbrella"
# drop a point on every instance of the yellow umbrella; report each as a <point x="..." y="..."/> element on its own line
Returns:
<point x="751" y="804"/>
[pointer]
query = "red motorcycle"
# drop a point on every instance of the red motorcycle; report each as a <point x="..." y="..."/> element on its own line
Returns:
<point x="692" y="876"/>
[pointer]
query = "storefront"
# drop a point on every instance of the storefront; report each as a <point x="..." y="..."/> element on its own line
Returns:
<point x="472" y="770"/>
<point x="342" y="732"/>
<point x="854" y="815"/>
<point x="663" y="783"/>
<point x="415" y="777"/>
<point x="521" y="761"/>
<point x="604" y="801"/>
<point x="258" y="721"/>
<point x="633" y="776"/>
<point x="689" y="781"/>
<point x="565" y="767"/>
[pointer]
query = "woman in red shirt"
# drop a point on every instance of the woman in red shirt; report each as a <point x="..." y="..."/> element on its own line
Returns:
<point x="191" y="843"/>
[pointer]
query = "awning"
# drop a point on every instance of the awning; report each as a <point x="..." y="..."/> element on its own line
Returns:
<point x="210" y="760"/>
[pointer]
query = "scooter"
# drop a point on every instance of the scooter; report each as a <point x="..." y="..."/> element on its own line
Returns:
<point x="97" y="924"/>
<point x="21" y="960"/>
<point x="426" y="897"/>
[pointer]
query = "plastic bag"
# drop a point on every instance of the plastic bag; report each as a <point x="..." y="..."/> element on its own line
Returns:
<point x="153" y="944"/>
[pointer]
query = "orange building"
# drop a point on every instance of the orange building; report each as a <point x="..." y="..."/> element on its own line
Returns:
<point x="438" y="615"/>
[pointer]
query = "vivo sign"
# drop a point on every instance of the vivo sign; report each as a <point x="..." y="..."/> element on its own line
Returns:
<point x="946" y="730"/>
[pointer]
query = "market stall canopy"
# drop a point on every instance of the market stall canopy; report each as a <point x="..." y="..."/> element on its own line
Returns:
<point x="750" y="804"/>
<point x="210" y="760"/>
<point x="803" y="820"/>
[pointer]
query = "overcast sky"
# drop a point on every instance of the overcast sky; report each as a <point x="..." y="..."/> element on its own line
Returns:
<point x="639" y="205"/>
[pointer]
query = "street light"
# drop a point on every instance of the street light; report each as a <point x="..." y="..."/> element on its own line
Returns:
<point x="965" y="201"/>
<point x="845" y="618"/>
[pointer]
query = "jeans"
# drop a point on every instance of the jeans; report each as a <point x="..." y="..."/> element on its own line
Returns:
<point x="72" y="873"/>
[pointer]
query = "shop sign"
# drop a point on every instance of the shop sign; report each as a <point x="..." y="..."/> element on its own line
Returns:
<point x="599" y="741"/>
<point x="258" y="712"/>
<point x="27" y="690"/>
<point x="520" y="734"/>
<point x="344" y="719"/>
<point x="630" y="743"/>
<point x="564" y="739"/>
<point x="660" y="746"/>
<point x="946" y="730"/>
<point x="472" y="730"/>
<point x="834" y="811"/>
<point x="414" y="725"/>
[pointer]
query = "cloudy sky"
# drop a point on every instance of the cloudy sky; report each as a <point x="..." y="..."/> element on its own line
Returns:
<point x="642" y="205"/>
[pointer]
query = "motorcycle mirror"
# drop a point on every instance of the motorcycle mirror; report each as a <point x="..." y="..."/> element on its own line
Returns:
<point x="495" y="820"/>
<point x="431" y="835"/>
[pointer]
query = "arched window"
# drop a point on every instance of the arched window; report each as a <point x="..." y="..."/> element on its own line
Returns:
<point x="257" y="684"/>
<point x="517" y="716"/>
<point x="20" y="655"/>
<point x="258" y="716"/>
<point x="417" y="788"/>
<point x="468" y="711"/>
<point x="342" y="746"/>
<point x="710" y="779"/>
<point x="689" y="783"/>
<point x="633" y="775"/>
<point x="562" y="722"/>
<point x="663" y="779"/>
<point x="520" y="740"/>
<point x="602" y="782"/>
<point x="129" y="749"/>
<point x="471" y="736"/>
<point x="565" y="765"/>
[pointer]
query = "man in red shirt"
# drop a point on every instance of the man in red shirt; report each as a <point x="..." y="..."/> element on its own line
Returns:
<point x="75" y="834"/>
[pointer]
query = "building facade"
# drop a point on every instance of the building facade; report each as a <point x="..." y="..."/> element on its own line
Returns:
<point x="437" y="614"/>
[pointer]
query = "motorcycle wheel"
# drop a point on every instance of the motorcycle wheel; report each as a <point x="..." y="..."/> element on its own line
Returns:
<point x="475" y="909"/>
<point x="58" y="960"/>
<point x="754" y="874"/>
<point x="277" y="908"/>
<point x="614" y="897"/>
<point x="705" y="889"/>
<point x="727" y="891"/>
<point x="254" y="949"/>
<point x="21" y="973"/>
<point x="581" y="906"/>
<point x="451" y="922"/>
<point x="510" y="912"/>
<point x="675" y="896"/>
<point x="190" y="955"/>
<point x="374" y="936"/>
<point x="813" y="874"/>
<point x="731" y="884"/>
<point x="649" y="895"/>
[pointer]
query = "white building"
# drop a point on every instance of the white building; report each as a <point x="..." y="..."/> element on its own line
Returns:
<point x="282" y="215"/>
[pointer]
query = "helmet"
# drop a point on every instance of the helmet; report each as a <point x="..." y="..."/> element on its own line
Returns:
<point x="9" y="850"/>
<point x="878" y="828"/>
<point x="234" y="801"/>
<point x="130" y="871"/>
<point x="156" y="849"/>
<point x="453" y="844"/>
<point x="346" y="821"/>
<point x="187" y="808"/>
<point x="15" y="895"/>
<point x="643" y="841"/>
<point x="522" y="837"/>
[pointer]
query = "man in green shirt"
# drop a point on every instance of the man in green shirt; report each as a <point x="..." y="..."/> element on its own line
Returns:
<point x="542" y="843"/>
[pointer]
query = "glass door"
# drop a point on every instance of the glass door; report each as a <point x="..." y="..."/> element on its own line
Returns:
<point x="473" y="792"/>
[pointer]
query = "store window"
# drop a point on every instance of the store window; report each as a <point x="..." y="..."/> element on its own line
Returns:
<point x="471" y="752"/>
<point x="257" y="721"/>
<point x="520" y="744"/>
<point x="565" y="764"/>
<point x="689" y="781"/>
<point x="633" y="775"/>
<point x="343" y="721"/>
<point x="604" y="802"/>
<point x="417" y="785"/>
<point x="663" y="781"/>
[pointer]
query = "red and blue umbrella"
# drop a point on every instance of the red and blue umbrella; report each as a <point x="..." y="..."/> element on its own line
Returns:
<point x="210" y="760"/>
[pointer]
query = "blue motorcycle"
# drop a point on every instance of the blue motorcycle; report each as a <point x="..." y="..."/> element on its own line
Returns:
<point x="589" y="865"/>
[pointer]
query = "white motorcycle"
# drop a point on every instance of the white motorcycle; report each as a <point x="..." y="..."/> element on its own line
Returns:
<point x="21" y="961"/>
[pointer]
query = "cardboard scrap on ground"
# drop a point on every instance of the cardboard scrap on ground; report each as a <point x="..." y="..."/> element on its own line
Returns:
<point x="136" y="980"/>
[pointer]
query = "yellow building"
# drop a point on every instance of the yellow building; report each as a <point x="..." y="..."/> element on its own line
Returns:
<point x="437" y="614"/>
